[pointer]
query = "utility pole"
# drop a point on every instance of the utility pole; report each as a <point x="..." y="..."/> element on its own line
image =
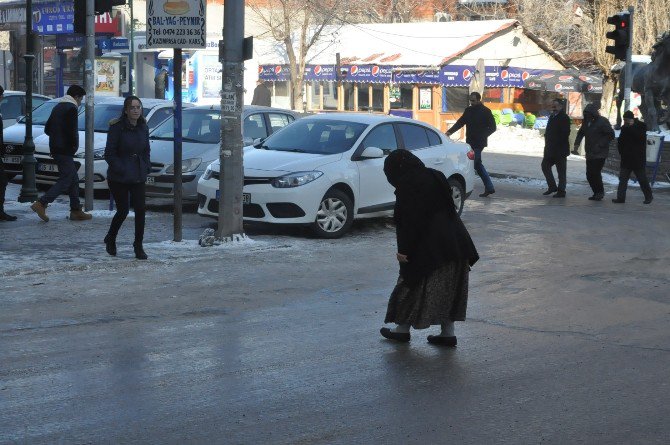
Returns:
<point x="89" y="86"/>
<point x="28" y="188"/>
<point x="231" y="177"/>
<point x="629" y="62"/>
<point x="177" y="217"/>
<point x="131" y="76"/>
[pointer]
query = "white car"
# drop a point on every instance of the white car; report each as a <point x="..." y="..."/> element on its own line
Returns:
<point x="201" y="135"/>
<point x="13" y="106"/>
<point x="46" y="172"/>
<point x="326" y="170"/>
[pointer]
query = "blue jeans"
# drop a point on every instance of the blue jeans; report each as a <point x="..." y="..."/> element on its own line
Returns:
<point x="67" y="182"/>
<point x="481" y="171"/>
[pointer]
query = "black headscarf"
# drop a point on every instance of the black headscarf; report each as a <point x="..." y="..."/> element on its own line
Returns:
<point x="398" y="164"/>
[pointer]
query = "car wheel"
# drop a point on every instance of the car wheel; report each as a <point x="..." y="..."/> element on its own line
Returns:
<point x="334" y="216"/>
<point x="457" y="194"/>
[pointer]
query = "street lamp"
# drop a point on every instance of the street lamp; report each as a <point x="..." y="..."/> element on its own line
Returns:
<point x="28" y="189"/>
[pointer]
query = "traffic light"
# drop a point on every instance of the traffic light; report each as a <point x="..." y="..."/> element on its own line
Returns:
<point x="621" y="35"/>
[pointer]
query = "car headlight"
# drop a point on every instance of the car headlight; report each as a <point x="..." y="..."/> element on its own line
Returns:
<point x="187" y="165"/>
<point x="208" y="173"/>
<point x="296" y="179"/>
<point x="97" y="154"/>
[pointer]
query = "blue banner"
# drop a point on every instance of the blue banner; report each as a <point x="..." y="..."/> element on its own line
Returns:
<point x="274" y="72"/>
<point x="53" y="18"/>
<point x="420" y="76"/>
<point x="320" y="72"/>
<point x="368" y="73"/>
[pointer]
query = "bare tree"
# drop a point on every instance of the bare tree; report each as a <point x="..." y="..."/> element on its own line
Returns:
<point x="298" y="25"/>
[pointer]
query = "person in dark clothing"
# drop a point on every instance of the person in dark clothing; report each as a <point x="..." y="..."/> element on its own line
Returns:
<point x="262" y="94"/>
<point x="479" y="125"/>
<point x="556" y="149"/>
<point x="3" y="176"/>
<point x="128" y="154"/>
<point x="598" y="133"/>
<point x="161" y="83"/>
<point x="435" y="252"/>
<point x="632" y="145"/>
<point x="63" y="144"/>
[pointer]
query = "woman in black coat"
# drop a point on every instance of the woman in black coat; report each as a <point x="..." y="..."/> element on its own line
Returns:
<point x="127" y="154"/>
<point x="435" y="252"/>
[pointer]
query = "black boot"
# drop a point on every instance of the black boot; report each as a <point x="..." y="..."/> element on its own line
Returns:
<point x="139" y="251"/>
<point x="110" y="244"/>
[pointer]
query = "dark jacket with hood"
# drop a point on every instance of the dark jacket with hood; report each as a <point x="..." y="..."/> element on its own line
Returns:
<point x="428" y="229"/>
<point x="557" y="136"/>
<point x="479" y="123"/>
<point x="598" y="133"/>
<point x="127" y="151"/>
<point x="62" y="127"/>
<point x="632" y="145"/>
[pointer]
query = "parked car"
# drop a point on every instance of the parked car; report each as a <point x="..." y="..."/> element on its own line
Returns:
<point x="13" y="105"/>
<point x="326" y="170"/>
<point x="155" y="111"/>
<point x="201" y="134"/>
<point x="15" y="135"/>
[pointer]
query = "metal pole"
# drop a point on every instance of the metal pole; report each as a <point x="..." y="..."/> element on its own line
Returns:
<point x="131" y="77"/>
<point x="231" y="177"/>
<point x="89" y="85"/>
<point x="629" y="63"/>
<point x="176" y="66"/>
<point x="28" y="189"/>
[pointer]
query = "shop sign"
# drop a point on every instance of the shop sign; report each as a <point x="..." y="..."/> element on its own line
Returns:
<point x="53" y="18"/>
<point x="12" y="15"/>
<point x="176" y="24"/>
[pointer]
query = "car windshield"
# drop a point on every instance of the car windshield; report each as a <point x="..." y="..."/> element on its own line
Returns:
<point x="102" y="115"/>
<point x="41" y="113"/>
<point x="198" y="125"/>
<point x="316" y="136"/>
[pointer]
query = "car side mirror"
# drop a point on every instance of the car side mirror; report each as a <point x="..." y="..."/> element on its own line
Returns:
<point x="372" y="153"/>
<point x="19" y="118"/>
<point x="257" y="142"/>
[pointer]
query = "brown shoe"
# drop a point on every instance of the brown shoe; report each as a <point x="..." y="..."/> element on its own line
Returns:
<point x="41" y="211"/>
<point x="79" y="215"/>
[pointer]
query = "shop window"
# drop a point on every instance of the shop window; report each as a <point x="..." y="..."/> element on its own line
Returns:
<point x="363" y="97"/>
<point x="401" y="96"/>
<point x="378" y="97"/>
<point x="315" y="94"/>
<point x="457" y="99"/>
<point x="329" y="95"/>
<point x="492" y="95"/>
<point x="348" y="96"/>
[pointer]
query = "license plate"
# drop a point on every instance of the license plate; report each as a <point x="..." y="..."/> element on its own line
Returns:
<point x="150" y="180"/>
<point x="12" y="159"/>
<point x="47" y="168"/>
<point x="246" y="197"/>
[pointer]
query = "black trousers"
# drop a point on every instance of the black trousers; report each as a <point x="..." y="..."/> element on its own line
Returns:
<point x="561" y="163"/>
<point x="594" y="168"/>
<point x="3" y="184"/>
<point x="641" y="175"/>
<point x="123" y="193"/>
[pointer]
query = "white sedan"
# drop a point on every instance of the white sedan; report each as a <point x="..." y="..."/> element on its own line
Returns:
<point x="326" y="170"/>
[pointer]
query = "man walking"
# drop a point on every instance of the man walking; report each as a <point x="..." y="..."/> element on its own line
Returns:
<point x="632" y="145"/>
<point x="262" y="94"/>
<point x="556" y="149"/>
<point x="63" y="144"/>
<point x="479" y="125"/>
<point x="3" y="176"/>
<point x="598" y="133"/>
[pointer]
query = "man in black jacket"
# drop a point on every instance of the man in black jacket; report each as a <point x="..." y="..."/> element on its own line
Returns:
<point x="479" y="125"/>
<point x="632" y="145"/>
<point x="262" y="94"/>
<point x="598" y="133"/>
<point x="3" y="176"/>
<point x="556" y="148"/>
<point x="63" y="134"/>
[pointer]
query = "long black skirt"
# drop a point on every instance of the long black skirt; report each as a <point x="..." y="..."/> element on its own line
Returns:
<point x="440" y="297"/>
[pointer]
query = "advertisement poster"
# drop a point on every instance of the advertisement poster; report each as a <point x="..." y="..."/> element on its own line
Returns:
<point x="176" y="24"/>
<point x="425" y="98"/>
<point x="204" y="78"/>
<point x="106" y="77"/>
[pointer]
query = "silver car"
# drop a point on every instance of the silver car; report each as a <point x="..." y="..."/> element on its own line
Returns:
<point x="201" y="133"/>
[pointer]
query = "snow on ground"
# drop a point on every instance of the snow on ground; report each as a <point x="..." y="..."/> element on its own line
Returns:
<point x="517" y="141"/>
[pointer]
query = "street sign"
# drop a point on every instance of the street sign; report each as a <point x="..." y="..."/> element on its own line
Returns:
<point x="176" y="24"/>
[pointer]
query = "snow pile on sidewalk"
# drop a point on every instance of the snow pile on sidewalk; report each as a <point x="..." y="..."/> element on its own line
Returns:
<point x="516" y="140"/>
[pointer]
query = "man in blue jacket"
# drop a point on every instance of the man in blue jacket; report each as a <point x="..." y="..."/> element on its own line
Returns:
<point x="63" y="144"/>
<point x="479" y="125"/>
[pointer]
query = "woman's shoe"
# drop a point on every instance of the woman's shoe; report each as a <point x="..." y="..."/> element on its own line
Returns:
<point x="139" y="251"/>
<point x="110" y="245"/>
<point x="397" y="336"/>
<point x="442" y="341"/>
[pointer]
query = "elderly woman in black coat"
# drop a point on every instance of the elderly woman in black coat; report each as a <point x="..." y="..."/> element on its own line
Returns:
<point x="632" y="145"/>
<point x="435" y="252"/>
<point x="127" y="153"/>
